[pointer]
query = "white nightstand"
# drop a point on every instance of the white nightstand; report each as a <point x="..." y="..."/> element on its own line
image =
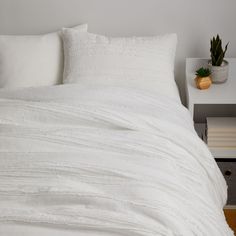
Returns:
<point x="218" y="100"/>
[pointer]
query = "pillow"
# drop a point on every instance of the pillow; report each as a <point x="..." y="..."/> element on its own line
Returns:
<point x="31" y="61"/>
<point x="141" y="62"/>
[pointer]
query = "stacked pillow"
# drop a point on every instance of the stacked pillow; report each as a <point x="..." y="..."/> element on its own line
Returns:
<point x="140" y="62"/>
<point x="31" y="61"/>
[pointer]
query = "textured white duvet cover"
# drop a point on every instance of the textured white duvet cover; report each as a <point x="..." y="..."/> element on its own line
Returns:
<point x="77" y="160"/>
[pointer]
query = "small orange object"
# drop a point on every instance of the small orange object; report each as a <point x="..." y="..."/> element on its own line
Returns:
<point x="230" y="215"/>
<point x="203" y="82"/>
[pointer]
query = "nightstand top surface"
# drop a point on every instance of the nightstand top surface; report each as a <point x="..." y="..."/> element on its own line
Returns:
<point x="218" y="93"/>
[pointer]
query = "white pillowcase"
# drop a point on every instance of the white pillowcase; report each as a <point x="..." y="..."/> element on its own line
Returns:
<point x="141" y="62"/>
<point x="31" y="61"/>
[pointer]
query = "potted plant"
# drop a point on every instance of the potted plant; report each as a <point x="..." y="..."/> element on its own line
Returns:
<point x="203" y="80"/>
<point x="218" y="66"/>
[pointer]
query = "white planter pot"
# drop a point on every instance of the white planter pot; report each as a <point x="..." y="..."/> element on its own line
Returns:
<point x="219" y="74"/>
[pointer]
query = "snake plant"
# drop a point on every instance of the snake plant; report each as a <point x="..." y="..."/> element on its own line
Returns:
<point x="217" y="52"/>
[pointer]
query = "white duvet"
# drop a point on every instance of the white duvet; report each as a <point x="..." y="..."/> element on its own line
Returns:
<point x="80" y="160"/>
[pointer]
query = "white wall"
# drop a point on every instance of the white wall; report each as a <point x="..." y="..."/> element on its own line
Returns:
<point x="195" y="21"/>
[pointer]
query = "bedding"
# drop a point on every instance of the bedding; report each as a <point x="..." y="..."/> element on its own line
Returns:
<point x="32" y="60"/>
<point x="104" y="160"/>
<point x="138" y="62"/>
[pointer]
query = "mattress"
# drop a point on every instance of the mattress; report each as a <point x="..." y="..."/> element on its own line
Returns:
<point x="93" y="160"/>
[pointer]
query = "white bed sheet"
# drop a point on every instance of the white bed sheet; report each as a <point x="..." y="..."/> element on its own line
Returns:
<point x="78" y="160"/>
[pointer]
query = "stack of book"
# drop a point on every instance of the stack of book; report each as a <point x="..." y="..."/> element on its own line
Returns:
<point x="221" y="132"/>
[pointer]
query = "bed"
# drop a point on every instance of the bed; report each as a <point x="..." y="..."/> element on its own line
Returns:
<point x="112" y="151"/>
<point x="104" y="161"/>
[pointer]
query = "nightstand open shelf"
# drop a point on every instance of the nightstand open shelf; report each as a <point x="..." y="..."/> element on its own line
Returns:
<point x="217" y="101"/>
<point x="218" y="153"/>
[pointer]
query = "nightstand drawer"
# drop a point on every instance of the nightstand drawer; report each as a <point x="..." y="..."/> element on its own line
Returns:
<point x="228" y="169"/>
